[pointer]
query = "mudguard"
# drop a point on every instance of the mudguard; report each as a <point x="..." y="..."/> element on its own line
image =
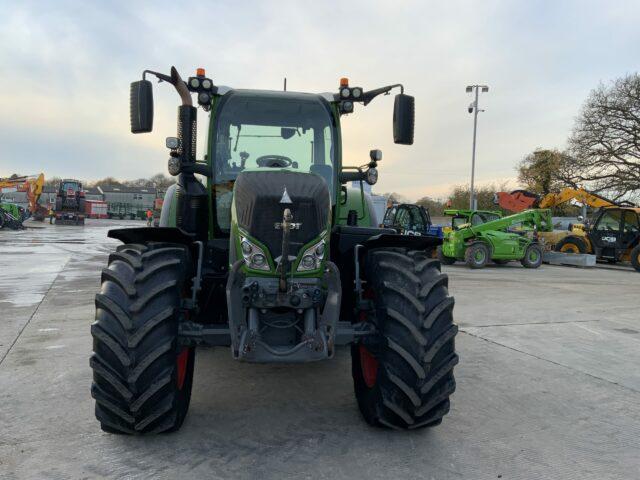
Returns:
<point x="146" y="234"/>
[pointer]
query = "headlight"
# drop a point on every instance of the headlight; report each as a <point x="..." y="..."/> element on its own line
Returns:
<point x="194" y="82"/>
<point x="254" y="256"/>
<point x="312" y="257"/>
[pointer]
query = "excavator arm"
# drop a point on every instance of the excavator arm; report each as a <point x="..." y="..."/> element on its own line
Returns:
<point x="32" y="185"/>
<point x="520" y="200"/>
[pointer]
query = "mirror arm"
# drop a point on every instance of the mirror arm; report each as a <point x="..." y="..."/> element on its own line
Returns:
<point x="367" y="97"/>
<point x="160" y="76"/>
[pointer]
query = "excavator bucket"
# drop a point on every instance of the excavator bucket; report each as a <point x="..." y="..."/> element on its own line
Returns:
<point x="516" y="201"/>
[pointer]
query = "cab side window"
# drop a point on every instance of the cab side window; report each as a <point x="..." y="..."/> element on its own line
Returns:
<point x="631" y="222"/>
<point x="416" y="220"/>
<point x="389" y="216"/>
<point x="476" y="219"/>
<point x="609" y="221"/>
<point x="402" y="219"/>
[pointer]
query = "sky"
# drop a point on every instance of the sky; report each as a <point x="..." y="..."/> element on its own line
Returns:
<point x="65" y="69"/>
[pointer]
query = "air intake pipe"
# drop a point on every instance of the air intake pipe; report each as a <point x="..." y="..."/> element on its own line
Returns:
<point x="191" y="195"/>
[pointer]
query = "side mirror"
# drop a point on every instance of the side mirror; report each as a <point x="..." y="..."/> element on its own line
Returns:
<point x="141" y="106"/>
<point x="403" y="119"/>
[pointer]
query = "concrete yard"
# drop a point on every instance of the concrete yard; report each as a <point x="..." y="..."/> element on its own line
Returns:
<point x="548" y="384"/>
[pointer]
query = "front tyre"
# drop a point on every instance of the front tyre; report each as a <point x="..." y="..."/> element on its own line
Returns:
<point x="141" y="376"/>
<point x="635" y="258"/>
<point x="532" y="256"/>
<point x="443" y="258"/>
<point x="403" y="378"/>
<point x="477" y="255"/>
<point x="571" y="244"/>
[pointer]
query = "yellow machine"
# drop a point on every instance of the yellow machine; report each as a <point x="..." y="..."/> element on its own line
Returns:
<point x="33" y="186"/>
<point x="579" y="194"/>
<point x="519" y="200"/>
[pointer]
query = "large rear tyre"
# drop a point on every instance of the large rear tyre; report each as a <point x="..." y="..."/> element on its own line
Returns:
<point x="2" y="219"/>
<point x="141" y="377"/>
<point x="571" y="244"/>
<point x="635" y="257"/>
<point x="443" y="258"/>
<point x="477" y="255"/>
<point x="404" y="377"/>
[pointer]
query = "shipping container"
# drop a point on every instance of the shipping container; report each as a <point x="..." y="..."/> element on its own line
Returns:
<point x="96" y="209"/>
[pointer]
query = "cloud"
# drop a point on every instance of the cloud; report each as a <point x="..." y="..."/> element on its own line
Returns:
<point x="65" y="69"/>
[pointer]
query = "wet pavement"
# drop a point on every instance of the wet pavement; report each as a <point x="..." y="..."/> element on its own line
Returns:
<point x="548" y="384"/>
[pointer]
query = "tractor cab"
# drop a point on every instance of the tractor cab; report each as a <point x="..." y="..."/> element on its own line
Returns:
<point x="408" y="219"/>
<point x="280" y="134"/>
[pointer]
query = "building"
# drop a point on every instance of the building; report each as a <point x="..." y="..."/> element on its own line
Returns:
<point x="48" y="196"/>
<point x="93" y="194"/>
<point x="128" y="201"/>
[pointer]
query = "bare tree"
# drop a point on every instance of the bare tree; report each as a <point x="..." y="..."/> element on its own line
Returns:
<point x="605" y="143"/>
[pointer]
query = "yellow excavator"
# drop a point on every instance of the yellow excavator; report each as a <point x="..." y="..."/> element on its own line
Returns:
<point x="520" y="200"/>
<point x="33" y="186"/>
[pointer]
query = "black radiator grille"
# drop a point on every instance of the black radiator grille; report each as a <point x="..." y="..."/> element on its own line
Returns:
<point x="257" y="201"/>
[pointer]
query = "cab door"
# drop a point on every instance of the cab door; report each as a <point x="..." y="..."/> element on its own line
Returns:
<point x="630" y="229"/>
<point x="417" y="224"/>
<point x="607" y="233"/>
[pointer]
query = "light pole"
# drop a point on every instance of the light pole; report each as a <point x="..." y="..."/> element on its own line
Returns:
<point x="473" y="108"/>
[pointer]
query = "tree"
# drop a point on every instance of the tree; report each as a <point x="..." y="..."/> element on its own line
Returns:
<point x="605" y="142"/>
<point x="459" y="198"/>
<point x="435" y="207"/>
<point x="107" y="182"/>
<point x="53" y="182"/>
<point x="544" y="171"/>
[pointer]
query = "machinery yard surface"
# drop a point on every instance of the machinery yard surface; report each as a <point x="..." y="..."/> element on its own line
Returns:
<point x="548" y="384"/>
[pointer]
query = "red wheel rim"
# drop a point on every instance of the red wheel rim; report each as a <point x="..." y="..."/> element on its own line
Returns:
<point x="181" y="367"/>
<point x="369" y="366"/>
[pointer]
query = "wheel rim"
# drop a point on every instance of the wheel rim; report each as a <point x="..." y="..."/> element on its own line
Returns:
<point x="569" y="248"/>
<point x="369" y="367"/>
<point x="533" y="255"/>
<point x="181" y="367"/>
<point x="479" y="256"/>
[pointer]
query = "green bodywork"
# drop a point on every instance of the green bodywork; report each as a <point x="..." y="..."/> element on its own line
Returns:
<point x="12" y="209"/>
<point x="507" y="237"/>
<point x="345" y="199"/>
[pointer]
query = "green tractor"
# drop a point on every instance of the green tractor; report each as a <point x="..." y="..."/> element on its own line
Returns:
<point x="501" y="240"/>
<point x="275" y="258"/>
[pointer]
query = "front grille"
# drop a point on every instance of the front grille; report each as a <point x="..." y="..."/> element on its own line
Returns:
<point x="257" y="201"/>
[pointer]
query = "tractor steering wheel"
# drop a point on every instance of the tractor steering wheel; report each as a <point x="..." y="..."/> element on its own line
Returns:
<point x="274" y="161"/>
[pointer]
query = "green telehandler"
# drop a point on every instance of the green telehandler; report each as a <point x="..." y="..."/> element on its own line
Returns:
<point x="273" y="257"/>
<point x="502" y="240"/>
